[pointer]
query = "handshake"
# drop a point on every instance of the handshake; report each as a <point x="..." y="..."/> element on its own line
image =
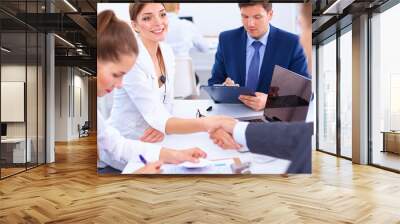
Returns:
<point x="220" y="129"/>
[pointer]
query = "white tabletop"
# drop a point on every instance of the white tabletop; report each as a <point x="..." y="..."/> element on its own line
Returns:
<point x="13" y="140"/>
<point x="188" y="109"/>
<point x="260" y="164"/>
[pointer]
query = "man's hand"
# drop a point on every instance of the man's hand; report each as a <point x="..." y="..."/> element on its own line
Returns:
<point x="152" y="135"/>
<point x="150" y="168"/>
<point x="223" y="139"/>
<point x="180" y="156"/>
<point x="229" y="82"/>
<point x="257" y="102"/>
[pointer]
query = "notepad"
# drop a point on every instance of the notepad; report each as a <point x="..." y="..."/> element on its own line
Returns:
<point x="227" y="94"/>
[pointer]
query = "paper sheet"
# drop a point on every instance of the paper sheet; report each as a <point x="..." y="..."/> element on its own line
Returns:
<point x="215" y="167"/>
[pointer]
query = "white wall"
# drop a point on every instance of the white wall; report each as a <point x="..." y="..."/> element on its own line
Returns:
<point x="385" y="73"/>
<point x="71" y="94"/>
<point x="224" y="16"/>
<point x="213" y="18"/>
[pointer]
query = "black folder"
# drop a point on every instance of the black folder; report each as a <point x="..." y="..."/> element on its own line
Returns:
<point x="227" y="94"/>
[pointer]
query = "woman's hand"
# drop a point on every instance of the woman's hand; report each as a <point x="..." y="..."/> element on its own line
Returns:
<point x="152" y="135"/>
<point x="180" y="156"/>
<point x="150" y="168"/>
<point x="211" y="123"/>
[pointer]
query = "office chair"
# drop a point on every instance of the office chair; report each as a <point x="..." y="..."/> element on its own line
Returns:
<point x="84" y="130"/>
<point x="185" y="81"/>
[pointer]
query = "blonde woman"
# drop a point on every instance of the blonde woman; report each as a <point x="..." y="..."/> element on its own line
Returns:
<point x="117" y="52"/>
<point x="142" y="108"/>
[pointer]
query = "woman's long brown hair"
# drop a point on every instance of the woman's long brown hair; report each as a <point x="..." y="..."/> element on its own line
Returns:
<point x="114" y="37"/>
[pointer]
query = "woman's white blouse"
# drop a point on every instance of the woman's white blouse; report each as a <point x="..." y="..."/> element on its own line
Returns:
<point x="116" y="151"/>
<point x="140" y="103"/>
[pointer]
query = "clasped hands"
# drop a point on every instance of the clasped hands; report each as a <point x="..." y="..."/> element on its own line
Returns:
<point x="220" y="129"/>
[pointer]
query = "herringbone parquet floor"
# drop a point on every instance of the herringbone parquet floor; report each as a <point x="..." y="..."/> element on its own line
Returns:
<point x="70" y="191"/>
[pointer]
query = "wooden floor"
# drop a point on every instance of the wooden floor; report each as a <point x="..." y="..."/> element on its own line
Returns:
<point x="70" y="191"/>
<point x="10" y="171"/>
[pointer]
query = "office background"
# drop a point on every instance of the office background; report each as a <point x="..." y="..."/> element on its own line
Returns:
<point x="68" y="189"/>
<point x="356" y="67"/>
<point x="22" y="79"/>
<point x="46" y="81"/>
<point x="28" y="49"/>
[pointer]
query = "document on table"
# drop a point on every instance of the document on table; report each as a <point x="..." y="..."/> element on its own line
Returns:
<point x="214" y="167"/>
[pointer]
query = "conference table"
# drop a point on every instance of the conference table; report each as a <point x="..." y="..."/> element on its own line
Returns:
<point x="259" y="164"/>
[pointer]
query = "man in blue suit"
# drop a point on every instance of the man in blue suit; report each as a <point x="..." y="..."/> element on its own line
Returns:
<point x="246" y="56"/>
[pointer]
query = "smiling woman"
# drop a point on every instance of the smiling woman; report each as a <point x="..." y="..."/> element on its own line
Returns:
<point x="143" y="108"/>
<point x="114" y="60"/>
<point x="151" y="23"/>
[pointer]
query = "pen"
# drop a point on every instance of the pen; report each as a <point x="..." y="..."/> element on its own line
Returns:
<point x="142" y="159"/>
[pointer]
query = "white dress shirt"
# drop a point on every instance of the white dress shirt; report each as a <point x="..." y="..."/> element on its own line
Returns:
<point x="140" y="103"/>
<point x="116" y="151"/>
<point x="183" y="35"/>
<point x="250" y="50"/>
<point x="239" y="133"/>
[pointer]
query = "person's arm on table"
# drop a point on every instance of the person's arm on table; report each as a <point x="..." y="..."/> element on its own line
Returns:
<point x="280" y="137"/>
<point x="290" y="141"/>
<point x="112" y="144"/>
<point x="176" y="125"/>
<point x="150" y="168"/>
<point x="174" y="157"/>
<point x="152" y="135"/>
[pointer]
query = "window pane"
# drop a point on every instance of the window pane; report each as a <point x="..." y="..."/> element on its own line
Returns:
<point x="13" y="86"/>
<point x="346" y="94"/>
<point x="41" y="98"/>
<point x="327" y="97"/>
<point x="385" y="84"/>
<point x="31" y="97"/>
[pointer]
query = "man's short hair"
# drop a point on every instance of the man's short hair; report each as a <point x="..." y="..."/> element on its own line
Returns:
<point x="267" y="6"/>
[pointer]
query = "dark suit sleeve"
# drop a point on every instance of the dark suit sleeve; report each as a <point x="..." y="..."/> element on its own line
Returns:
<point x="298" y="62"/>
<point x="218" y="73"/>
<point x="290" y="141"/>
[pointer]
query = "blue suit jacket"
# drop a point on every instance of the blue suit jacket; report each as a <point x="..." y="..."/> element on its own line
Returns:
<point x="283" y="49"/>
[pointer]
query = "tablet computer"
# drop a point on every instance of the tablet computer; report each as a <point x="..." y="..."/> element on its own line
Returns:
<point x="227" y="94"/>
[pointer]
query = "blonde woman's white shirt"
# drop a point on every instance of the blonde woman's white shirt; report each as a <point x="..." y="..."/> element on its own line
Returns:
<point x="116" y="151"/>
<point x="140" y="104"/>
